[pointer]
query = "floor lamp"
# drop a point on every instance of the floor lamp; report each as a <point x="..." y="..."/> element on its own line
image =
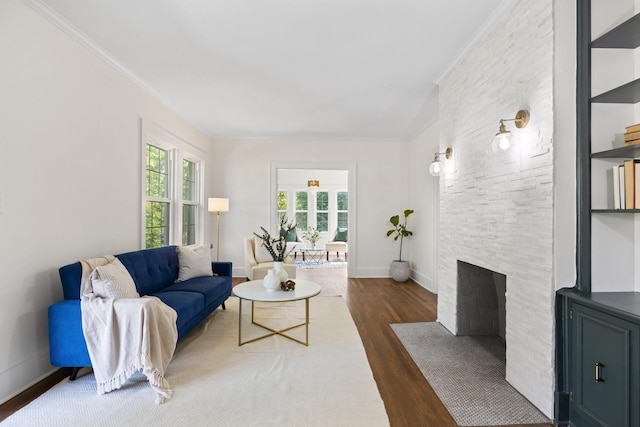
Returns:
<point x="218" y="205"/>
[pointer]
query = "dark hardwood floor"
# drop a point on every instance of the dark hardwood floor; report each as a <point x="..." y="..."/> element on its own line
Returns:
<point x="374" y="304"/>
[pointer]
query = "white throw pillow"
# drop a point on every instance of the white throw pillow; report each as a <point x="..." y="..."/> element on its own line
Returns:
<point x="261" y="253"/>
<point x="113" y="281"/>
<point x="193" y="261"/>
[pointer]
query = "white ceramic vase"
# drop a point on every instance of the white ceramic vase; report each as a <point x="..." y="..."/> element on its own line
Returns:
<point x="280" y="271"/>
<point x="271" y="281"/>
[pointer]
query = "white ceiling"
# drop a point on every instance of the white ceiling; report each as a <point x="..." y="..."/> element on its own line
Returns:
<point x="302" y="69"/>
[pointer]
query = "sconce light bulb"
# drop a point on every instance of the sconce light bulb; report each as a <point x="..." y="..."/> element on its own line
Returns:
<point x="436" y="168"/>
<point x="501" y="142"/>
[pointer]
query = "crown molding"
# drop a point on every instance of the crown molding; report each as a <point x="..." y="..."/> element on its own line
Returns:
<point x="486" y="26"/>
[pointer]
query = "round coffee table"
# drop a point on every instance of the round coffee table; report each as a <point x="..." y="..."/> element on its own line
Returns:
<point x="254" y="291"/>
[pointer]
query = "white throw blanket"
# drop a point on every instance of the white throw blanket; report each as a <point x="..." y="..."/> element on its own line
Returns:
<point x="125" y="335"/>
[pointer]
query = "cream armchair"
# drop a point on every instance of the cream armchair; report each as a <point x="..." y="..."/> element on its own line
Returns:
<point x="257" y="261"/>
<point x="338" y="244"/>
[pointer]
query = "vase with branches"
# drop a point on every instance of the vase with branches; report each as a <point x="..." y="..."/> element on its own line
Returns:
<point x="312" y="235"/>
<point x="277" y="247"/>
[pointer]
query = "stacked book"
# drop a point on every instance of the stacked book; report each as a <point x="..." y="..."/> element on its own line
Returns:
<point x="626" y="185"/>
<point x="632" y="135"/>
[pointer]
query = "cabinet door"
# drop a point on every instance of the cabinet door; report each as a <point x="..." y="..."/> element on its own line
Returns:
<point x="604" y="359"/>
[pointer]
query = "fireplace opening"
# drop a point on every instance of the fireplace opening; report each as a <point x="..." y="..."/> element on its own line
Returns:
<point x="481" y="301"/>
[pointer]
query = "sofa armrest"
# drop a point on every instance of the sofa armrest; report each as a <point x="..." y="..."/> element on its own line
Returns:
<point x="67" y="347"/>
<point x="222" y="268"/>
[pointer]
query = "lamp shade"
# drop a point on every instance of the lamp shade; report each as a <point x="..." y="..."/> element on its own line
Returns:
<point x="217" y="204"/>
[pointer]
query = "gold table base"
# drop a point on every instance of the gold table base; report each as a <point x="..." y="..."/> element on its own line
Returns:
<point x="273" y="331"/>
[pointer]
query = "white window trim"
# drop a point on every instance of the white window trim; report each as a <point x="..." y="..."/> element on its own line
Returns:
<point x="178" y="149"/>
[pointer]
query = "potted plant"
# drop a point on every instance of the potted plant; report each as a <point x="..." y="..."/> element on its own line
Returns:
<point x="400" y="270"/>
<point x="277" y="247"/>
<point x="312" y="235"/>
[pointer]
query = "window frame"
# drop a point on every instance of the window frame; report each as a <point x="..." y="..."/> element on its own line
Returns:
<point x="178" y="150"/>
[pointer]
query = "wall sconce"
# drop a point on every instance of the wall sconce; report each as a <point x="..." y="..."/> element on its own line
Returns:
<point x="502" y="140"/>
<point x="313" y="183"/>
<point x="436" y="166"/>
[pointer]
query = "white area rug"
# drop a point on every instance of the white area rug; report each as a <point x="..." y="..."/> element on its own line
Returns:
<point x="323" y="263"/>
<point x="271" y="382"/>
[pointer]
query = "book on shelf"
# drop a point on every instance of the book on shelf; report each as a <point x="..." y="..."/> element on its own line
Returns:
<point x="636" y="165"/>
<point x="631" y="136"/>
<point x="626" y="184"/>
<point x="629" y="184"/>
<point x="633" y="128"/>
<point x="616" y="187"/>
<point x="622" y="192"/>
<point x="632" y="142"/>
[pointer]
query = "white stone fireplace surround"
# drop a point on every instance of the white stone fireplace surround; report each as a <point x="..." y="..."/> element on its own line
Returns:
<point x="496" y="211"/>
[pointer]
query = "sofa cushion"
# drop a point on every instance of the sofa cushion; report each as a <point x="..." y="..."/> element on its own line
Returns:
<point x="193" y="261"/>
<point x="113" y="281"/>
<point x="186" y="304"/>
<point x="152" y="269"/>
<point x="210" y="287"/>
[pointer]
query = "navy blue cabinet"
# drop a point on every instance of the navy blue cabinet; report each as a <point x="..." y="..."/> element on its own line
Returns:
<point x="603" y="367"/>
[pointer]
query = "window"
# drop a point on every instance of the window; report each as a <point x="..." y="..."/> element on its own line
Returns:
<point x="343" y="209"/>
<point x="171" y="216"/>
<point x="302" y="209"/>
<point x="322" y="211"/>
<point x="189" y="202"/>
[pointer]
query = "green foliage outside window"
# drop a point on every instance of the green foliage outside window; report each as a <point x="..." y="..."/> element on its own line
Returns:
<point x="282" y="201"/>
<point x="189" y="224"/>
<point x="301" y="220"/>
<point x="343" y="220"/>
<point x="188" y="180"/>
<point x="343" y="201"/>
<point x="157" y="172"/>
<point x="157" y="185"/>
<point x="157" y="220"/>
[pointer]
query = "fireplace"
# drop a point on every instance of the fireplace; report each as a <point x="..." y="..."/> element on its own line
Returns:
<point x="481" y="295"/>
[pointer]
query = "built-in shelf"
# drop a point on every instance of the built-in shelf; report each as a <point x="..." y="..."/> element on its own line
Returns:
<point x="622" y="303"/>
<point x="616" y="211"/>
<point x="625" y="94"/>
<point x="629" y="151"/>
<point x="624" y="36"/>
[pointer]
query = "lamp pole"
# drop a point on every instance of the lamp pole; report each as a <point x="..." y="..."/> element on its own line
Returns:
<point x="218" y="205"/>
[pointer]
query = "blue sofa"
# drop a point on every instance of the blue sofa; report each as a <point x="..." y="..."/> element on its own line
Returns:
<point x="154" y="272"/>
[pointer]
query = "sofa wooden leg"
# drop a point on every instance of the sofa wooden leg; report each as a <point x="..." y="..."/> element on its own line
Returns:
<point x="74" y="374"/>
<point x="224" y="307"/>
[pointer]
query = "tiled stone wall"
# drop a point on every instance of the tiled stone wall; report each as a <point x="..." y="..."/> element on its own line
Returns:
<point x="496" y="211"/>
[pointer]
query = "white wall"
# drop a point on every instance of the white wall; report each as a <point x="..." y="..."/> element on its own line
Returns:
<point x="564" y="143"/>
<point x="69" y="175"/>
<point x="424" y="195"/>
<point x="242" y="172"/>
<point x="496" y="211"/>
